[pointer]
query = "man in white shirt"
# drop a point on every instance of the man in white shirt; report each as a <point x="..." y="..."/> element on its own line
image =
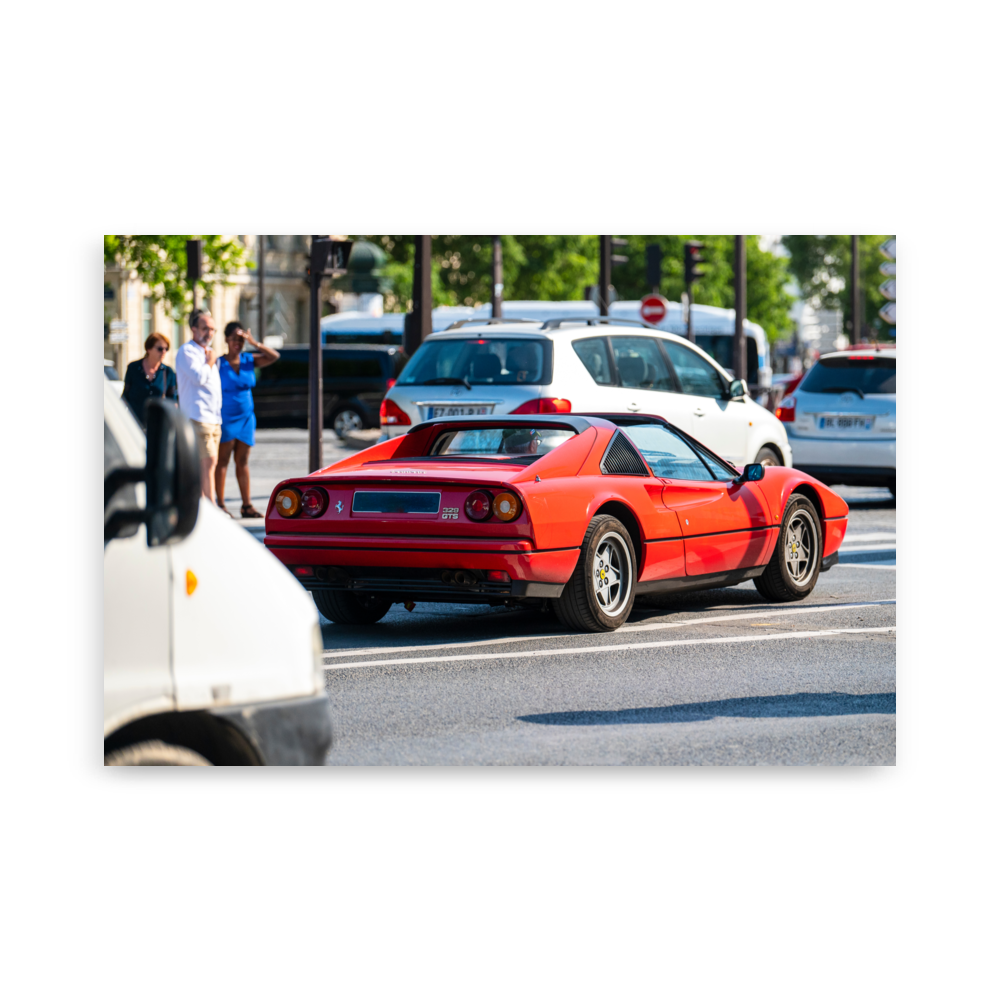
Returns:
<point x="199" y="392"/>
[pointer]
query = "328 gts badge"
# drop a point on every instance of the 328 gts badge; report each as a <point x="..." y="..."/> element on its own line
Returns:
<point x="449" y="513"/>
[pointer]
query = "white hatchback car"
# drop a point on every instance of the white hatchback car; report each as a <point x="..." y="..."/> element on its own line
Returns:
<point x="841" y="418"/>
<point x="597" y="365"/>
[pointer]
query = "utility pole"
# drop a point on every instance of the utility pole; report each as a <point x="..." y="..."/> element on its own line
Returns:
<point x="261" y="301"/>
<point x="740" y="289"/>
<point x="497" y="278"/>
<point x="604" y="279"/>
<point x="856" y="319"/>
<point x="319" y="254"/>
<point x="417" y="325"/>
<point x="193" y="275"/>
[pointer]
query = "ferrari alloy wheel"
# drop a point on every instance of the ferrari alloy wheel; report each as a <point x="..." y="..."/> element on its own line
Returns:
<point x="599" y="594"/>
<point x="347" y="421"/>
<point x="794" y="567"/>
<point x="351" y="609"/>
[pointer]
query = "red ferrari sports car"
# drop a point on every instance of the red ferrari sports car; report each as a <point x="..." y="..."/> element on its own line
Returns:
<point x="584" y="511"/>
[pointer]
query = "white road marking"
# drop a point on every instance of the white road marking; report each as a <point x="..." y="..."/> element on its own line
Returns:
<point x="844" y="549"/>
<point x="577" y="650"/>
<point x="873" y="536"/>
<point x="807" y="610"/>
<point x="864" y="565"/>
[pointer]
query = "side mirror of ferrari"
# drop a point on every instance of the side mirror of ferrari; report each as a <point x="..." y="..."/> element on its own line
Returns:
<point x="752" y="473"/>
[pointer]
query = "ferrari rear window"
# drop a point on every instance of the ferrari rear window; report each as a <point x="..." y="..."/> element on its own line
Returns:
<point x="863" y="374"/>
<point x="511" y="443"/>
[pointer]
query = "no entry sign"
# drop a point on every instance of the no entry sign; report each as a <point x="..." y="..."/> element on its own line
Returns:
<point x="653" y="309"/>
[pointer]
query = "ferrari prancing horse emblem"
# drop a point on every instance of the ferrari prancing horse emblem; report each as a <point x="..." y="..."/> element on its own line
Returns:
<point x="340" y="506"/>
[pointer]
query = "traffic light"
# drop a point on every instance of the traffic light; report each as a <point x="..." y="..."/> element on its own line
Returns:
<point x="654" y="266"/>
<point x="692" y="258"/>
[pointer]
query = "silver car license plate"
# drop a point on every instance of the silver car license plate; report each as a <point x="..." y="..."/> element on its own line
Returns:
<point x="461" y="411"/>
<point x="834" y="422"/>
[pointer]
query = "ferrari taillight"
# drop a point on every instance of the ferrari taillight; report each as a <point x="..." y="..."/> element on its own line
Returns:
<point x="506" y="506"/>
<point x="314" y="501"/>
<point x="288" y="501"/>
<point x="479" y="505"/>
<point x="390" y="413"/>
<point x="785" y="412"/>
<point x="547" y="404"/>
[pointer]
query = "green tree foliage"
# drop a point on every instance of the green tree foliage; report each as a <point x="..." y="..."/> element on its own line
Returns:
<point x="559" y="268"/>
<point x="822" y="266"/>
<point x="768" y="303"/>
<point x="161" y="262"/>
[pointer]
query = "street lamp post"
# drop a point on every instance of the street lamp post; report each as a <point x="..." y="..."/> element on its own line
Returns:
<point x="855" y="292"/>
<point x="740" y="289"/>
<point x="604" y="279"/>
<point x="417" y="325"/>
<point x="497" y="278"/>
<point x="261" y="307"/>
<point x="319" y="254"/>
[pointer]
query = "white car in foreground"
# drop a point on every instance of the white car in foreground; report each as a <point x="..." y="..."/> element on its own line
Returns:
<point x="841" y="418"/>
<point x="197" y="669"/>
<point x="580" y="365"/>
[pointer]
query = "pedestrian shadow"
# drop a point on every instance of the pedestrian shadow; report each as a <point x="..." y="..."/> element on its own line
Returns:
<point x="781" y="706"/>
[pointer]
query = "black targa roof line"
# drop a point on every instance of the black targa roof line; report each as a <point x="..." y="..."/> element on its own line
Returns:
<point x="575" y="421"/>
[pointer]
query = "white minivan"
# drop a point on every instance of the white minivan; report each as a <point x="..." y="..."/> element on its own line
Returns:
<point x="212" y="650"/>
<point x="583" y="365"/>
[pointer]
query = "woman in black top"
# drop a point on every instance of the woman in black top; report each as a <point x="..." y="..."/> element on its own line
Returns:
<point x="150" y="378"/>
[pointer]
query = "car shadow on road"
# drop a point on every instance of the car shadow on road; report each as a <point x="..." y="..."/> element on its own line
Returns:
<point x="779" y="706"/>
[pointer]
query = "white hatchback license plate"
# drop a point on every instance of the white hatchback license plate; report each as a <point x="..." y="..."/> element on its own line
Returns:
<point x="834" y="423"/>
<point x="460" y="411"/>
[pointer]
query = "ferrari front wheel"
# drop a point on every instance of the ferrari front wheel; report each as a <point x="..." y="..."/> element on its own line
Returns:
<point x="600" y="593"/>
<point x="794" y="566"/>
<point x="351" y="609"/>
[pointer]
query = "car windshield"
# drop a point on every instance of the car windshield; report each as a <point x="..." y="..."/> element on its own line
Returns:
<point x="496" y="361"/>
<point x="671" y="457"/>
<point x="518" y="444"/>
<point x="863" y="374"/>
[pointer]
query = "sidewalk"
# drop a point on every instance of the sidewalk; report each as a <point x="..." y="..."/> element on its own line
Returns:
<point x="281" y="453"/>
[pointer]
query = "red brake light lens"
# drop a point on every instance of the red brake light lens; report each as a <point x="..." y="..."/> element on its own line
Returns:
<point x="389" y="383"/>
<point x="390" y="413"/>
<point x="547" y="404"/>
<point x="785" y="412"/>
<point x="478" y="506"/>
<point x="314" y="501"/>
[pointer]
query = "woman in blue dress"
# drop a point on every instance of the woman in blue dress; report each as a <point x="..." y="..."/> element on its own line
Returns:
<point x="237" y="373"/>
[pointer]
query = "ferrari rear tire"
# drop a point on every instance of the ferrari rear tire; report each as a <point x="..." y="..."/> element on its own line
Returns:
<point x="795" y="564"/>
<point x="351" y="609"/>
<point x="601" y="591"/>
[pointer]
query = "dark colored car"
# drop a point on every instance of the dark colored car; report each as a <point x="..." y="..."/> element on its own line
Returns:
<point x="355" y="378"/>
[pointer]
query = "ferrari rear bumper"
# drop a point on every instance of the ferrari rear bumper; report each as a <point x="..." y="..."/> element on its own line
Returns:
<point x="427" y="568"/>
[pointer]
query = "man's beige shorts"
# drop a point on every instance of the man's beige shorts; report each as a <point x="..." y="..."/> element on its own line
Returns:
<point x="209" y="436"/>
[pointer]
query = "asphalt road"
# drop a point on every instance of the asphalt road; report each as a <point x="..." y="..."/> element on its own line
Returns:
<point x="717" y="677"/>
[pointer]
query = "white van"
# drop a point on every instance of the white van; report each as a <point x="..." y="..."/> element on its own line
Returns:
<point x="212" y="651"/>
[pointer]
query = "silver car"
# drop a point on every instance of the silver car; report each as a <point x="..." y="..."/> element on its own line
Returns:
<point x="583" y="366"/>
